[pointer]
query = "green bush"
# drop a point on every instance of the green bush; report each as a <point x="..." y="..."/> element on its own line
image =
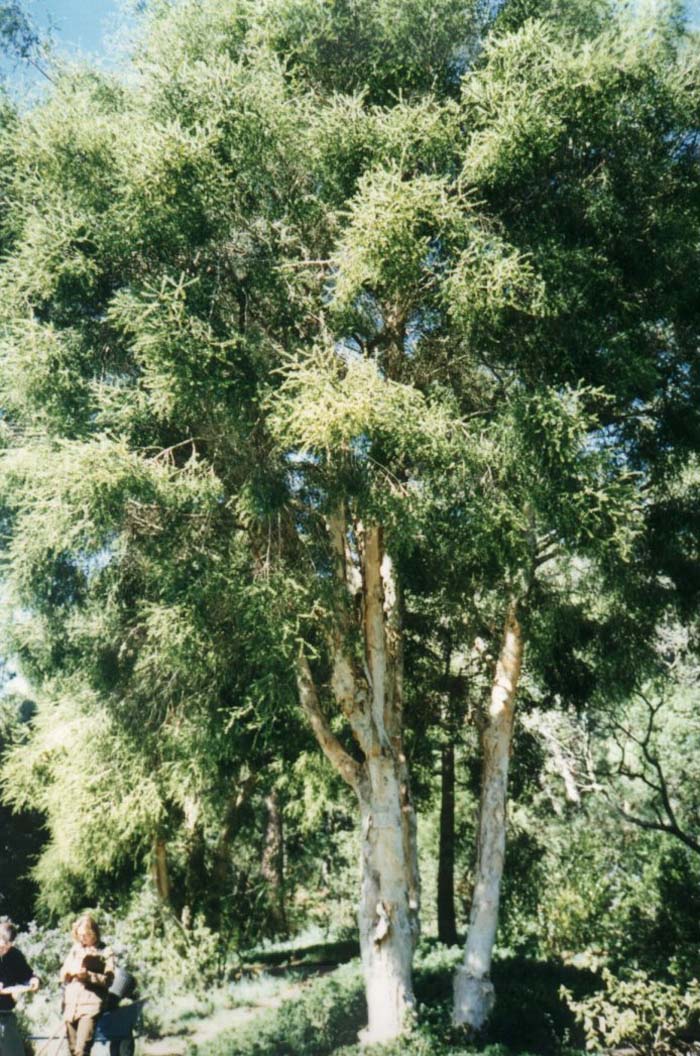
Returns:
<point x="530" y="1014"/>
<point x="419" y="1044"/>
<point x="639" y="1011"/>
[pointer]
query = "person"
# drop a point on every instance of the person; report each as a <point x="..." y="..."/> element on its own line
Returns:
<point x="87" y="975"/>
<point x="15" y="974"/>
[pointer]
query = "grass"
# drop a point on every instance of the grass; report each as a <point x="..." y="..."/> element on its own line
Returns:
<point x="295" y="1001"/>
<point x="324" y="1019"/>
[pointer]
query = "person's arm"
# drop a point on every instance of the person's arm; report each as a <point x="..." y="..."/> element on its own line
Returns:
<point x="26" y="976"/>
<point x="18" y="975"/>
<point x="67" y="969"/>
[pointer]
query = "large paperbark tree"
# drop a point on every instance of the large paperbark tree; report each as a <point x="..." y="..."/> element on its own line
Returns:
<point x="369" y="689"/>
<point x="272" y="327"/>
<point x="603" y="186"/>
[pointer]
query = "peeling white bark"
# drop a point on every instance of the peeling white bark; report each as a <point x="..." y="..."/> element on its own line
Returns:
<point x="374" y="628"/>
<point x="388" y="918"/>
<point x="388" y="913"/>
<point x="368" y="690"/>
<point x="473" y="991"/>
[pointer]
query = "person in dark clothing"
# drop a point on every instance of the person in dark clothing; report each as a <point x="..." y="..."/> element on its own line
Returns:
<point x="15" y="975"/>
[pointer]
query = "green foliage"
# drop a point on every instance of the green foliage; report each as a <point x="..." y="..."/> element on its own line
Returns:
<point x="371" y="47"/>
<point x="636" y="1010"/>
<point x="22" y="837"/>
<point x="490" y="281"/>
<point x="172" y="349"/>
<point x="360" y="408"/>
<point x="96" y="813"/>
<point x="326" y="1016"/>
<point x="20" y="38"/>
<point x="618" y="893"/>
<point x="386" y="249"/>
<point x="530" y="1015"/>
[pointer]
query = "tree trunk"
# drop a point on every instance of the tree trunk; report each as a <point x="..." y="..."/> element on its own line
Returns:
<point x="474" y="994"/>
<point x="195" y="860"/>
<point x="369" y="693"/>
<point x="273" y="864"/>
<point x="388" y="917"/>
<point x="447" y="927"/>
<point x="243" y="788"/>
<point x="159" y="871"/>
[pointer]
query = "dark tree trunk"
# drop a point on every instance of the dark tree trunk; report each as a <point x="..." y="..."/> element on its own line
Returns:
<point x="273" y="864"/>
<point x="447" y="928"/>
<point x="159" y="871"/>
<point x="195" y="875"/>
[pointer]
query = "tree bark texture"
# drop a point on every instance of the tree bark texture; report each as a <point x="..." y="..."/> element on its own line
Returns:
<point x="272" y="866"/>
<point x="474" y="994"/>
<point x="159" y="869"/>
<point x="195" y="861"/>
<point x="367" y="685"/>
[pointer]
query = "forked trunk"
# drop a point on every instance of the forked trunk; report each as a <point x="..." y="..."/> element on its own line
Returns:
<point x="369" y="693"/>
<point x="474" y="994"/>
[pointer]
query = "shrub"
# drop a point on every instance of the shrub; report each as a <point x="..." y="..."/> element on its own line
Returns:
<point x="530" y="1013"/>
<point x="420" y="1044"/>
<point x="324" y="1017"/>
<point x="638" y="1011"/>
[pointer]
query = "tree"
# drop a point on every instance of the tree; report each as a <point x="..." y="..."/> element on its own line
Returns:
<point x="273" y="329"/>
<point x="22" y="836"/>
<point x="148" y="309"/>
<point x="546" y="154"/>
<point x="20" y="38"/>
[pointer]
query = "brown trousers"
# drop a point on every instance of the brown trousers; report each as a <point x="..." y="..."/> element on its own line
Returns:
<point x="80" y="1034"/>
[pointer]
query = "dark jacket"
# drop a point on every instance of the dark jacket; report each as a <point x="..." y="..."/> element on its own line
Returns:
<point x="14" y="971"/>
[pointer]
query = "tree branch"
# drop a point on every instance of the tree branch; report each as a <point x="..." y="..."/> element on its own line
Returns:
<point x="659" y="826"/>
<point x="346" y="766"/>
<point x="374" y="627"/>
<point x="349" y="691"/>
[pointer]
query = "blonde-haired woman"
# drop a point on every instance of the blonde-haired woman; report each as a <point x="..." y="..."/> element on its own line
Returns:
<point x="86" y="974"/>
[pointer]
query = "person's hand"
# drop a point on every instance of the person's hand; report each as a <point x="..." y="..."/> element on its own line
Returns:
<point x="34" y="984"/>
<point x="81" y="976"/>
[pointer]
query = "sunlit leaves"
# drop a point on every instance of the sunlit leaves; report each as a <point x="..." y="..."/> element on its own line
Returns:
<point x="334" y="403"/>
<point x="489" y="278"/>
<point x="174" y="349"/>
